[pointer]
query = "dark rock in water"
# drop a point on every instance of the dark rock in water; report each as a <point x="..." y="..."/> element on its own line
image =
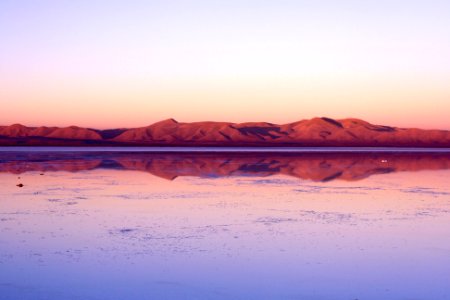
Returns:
<point x="41" y="174"/>
<point x="20" y="185"/>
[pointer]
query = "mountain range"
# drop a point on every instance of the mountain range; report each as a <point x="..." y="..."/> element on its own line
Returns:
<point x="316" y="132"/>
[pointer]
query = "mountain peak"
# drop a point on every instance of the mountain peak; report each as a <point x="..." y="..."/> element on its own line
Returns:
<point x="166" y="122"/>
<point x="170" y="120"/>
<point x="18" y="125"/>
<point x="316" y="132"/>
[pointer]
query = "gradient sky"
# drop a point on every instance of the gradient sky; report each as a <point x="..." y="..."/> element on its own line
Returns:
<point x="131" y="63"/>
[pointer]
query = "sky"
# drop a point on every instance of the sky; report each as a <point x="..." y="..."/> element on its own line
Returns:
<point x="108" y="64"/>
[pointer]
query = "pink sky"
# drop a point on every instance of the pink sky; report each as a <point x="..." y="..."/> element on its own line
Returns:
<point x="105" y="64"/>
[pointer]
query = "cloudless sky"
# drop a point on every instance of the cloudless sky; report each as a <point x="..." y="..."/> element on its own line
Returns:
<point x="131" y="63"/>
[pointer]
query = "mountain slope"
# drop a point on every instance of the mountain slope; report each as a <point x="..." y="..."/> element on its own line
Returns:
<point x="313" y="132"/>
<point x="72" y="132"/>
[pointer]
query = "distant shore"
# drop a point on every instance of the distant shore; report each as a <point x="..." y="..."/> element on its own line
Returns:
<point x="228" y="149"/>
<point x="315" y="132"/>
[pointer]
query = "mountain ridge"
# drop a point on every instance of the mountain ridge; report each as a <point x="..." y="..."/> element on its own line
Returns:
<point x="318" y="132"/>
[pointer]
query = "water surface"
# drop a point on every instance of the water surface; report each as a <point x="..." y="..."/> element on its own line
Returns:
<point x="319" y="226"/>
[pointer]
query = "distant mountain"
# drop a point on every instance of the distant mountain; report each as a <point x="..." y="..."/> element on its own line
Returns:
<point x="316" y="132"/>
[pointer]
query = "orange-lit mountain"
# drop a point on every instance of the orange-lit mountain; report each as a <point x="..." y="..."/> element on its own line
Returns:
<point x="313" y="132"/>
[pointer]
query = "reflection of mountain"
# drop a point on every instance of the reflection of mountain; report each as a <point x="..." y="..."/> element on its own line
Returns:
<point x="314" y="132"/>
<point x="311" y="166"/>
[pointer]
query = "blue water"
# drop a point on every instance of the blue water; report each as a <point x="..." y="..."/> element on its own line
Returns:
<point x="112" y="226"/>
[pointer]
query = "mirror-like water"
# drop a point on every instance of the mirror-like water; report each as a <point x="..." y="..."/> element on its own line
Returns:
<point x="224" y="226"/>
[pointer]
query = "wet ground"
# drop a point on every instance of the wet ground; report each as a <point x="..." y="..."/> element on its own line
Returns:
<point x="83" y="230"/>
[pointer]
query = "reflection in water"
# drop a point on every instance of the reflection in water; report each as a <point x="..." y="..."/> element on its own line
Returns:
<point x="224" y="229"/>
<point x="311" y="166"/>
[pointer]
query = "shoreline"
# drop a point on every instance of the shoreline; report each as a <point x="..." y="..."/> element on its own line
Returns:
<point x="158" y="149"/>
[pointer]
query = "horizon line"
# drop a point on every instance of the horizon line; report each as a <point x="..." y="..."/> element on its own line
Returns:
<point x="209" y="121"/>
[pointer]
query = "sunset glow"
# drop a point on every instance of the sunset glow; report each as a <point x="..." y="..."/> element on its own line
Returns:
<point x="220" y="150"/>
<point x="109" y="64"/>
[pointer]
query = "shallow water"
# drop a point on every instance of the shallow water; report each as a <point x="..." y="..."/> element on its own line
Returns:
<point x="224" y="226"/>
